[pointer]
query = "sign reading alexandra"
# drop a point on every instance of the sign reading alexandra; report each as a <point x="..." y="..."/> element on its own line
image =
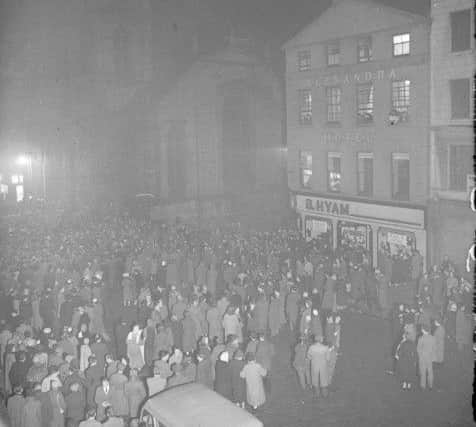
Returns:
<point x="362" y="77"/>
<point x="365" y="212"/>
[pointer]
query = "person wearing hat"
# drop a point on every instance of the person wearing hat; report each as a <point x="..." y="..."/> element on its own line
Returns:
<point x="292" y="308"/>
<point x="301" y="364"/>
<point x="318" y="356"/>
<point x="237" y="382"/>
<point x="15" y="406"/>
<point x="253" y="374"/>
<point x="204" y="370"/>
<point x="119" y="401"/>
<point x="426" y="349"/>
<point x="178" y="378"/>
<point x="102" y="399"/>
<point x="90" y="420"/>
<point x="31" y="414"/>
<point x="135" y="392"/>
<point x="223" y="376"/>
<point x="75" y="405"/>
<point x="214" y="323"/>
<point x="157" y="382"/>
<point x="57" y="404"/>
<point x="265" y="352"/>
<point x="112" y="419"/>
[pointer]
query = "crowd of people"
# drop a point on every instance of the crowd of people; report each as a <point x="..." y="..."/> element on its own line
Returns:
<point x="97" y="315"/>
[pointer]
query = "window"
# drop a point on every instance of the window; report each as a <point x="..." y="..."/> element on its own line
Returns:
<point x="461" y="165"/>
<point x="400" y="177"/>
<point x="305" y="168"/>
<point x="305" y="106"/>
<point x="400" y="99"/>
<point x="304" y="60"/>
<point x="461" y="30"/>
<point x="334" y="172"/>
<point x="365" y="103"/>
<point x="365" y="176"/>
<point x="460" y="98"/>
<point x="401" y="44"/>
<point x="333" y="53"/>
<point x="334" y="108"/>
<point x="364" y="49"/>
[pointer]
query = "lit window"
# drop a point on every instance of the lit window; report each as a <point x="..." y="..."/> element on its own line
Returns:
<point x="334" y="172"/>
<point x="460" y="90"/>
<point x="305" y="106"/>
<point x="461" y="30"/>
<point x="461" y="165"/>
<point x="304" y="60"/>
<point x="365" y="103"/>
<point x="364" y="49"/>
<point x="400" y="176"/>
<point x="19" y="193"/>
<point x="334" y="107"/>
<point x="401" y="44"/>
<point x="333" y="53"/>
<point x="365" y="175"/>
<point x="305" y="167"/>
<point x="401" y="98"/>
<point x="15" y="179"/>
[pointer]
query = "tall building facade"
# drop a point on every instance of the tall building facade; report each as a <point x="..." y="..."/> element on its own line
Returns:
<point x="219" y="136"/>
<point x="357" y="99"/>
<point x="452" y="139"/>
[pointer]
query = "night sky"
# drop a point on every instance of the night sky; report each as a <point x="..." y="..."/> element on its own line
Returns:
<point x="46" y="47"/>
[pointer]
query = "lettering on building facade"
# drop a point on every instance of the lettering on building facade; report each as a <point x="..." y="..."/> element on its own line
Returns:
<point x="348" y="78"/>
<point x="348" y="137"/>
<point x="328" y="206"/>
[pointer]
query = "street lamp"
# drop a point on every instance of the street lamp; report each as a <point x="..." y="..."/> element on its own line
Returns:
<point x="23" y="160"/>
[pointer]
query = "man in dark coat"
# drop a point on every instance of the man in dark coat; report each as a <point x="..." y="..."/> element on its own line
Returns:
<point x="237" y="383"/>
<point x="99" y="349"/>
<point x="75" y="406"/>
<point x="19" y="370"/>
<point x="93" y="374"/>
<point x="223" y="376"/>
<point x="31" y="415"/>
<point x="120" y="333"/>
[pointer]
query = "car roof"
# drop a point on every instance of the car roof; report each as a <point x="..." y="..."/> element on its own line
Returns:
<point x="194" y="405"/>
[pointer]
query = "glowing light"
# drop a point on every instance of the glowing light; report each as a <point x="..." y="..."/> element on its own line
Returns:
<point x="23" y="160"/>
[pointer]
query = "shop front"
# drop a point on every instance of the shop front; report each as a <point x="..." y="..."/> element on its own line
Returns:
<point x="362" y="230"/>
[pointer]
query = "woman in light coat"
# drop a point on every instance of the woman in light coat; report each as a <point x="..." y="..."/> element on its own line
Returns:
<point x="253" y="373"/>
<point x="135" y="348"/>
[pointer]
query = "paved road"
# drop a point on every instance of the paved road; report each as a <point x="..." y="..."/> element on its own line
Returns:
<point x="365" y="395"/>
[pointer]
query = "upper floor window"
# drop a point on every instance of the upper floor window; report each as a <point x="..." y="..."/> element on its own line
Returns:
<point x="305" y="168"/>
<point x="461" y="165"/>
<point x="333" y="53"/>
<point x="365" y="103"/>
<point x="460" y="92"/>
<point x="400" y="176"/>
<point x="364" y="49"/>
<point x="401" y="44"/>
<point x="365" y="176"/>
<point x="334" y="172"/>
<point x="460" y="30"/>
<point x="400" y="100"/>
<point x="334" y="106"/>
<point x="304" y="60"/>
<point x="305" y="106"/>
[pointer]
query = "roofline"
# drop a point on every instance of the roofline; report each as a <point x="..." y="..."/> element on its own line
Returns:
<point x="406" y="13"/>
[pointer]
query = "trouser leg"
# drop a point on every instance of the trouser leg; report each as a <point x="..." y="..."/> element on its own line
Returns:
<point x="302" y="377"/>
